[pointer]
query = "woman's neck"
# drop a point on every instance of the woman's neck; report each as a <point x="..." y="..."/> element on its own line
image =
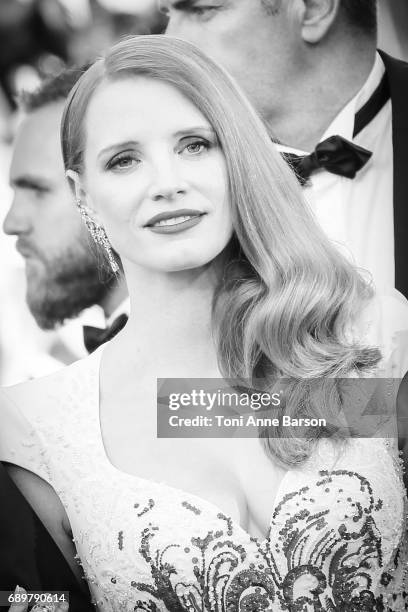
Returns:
<point x="169" y="331"/>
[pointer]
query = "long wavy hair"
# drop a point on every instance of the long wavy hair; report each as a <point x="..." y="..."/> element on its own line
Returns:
<point x="287" y="299"/>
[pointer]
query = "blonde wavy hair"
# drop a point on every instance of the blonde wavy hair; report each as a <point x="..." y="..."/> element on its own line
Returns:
<point x="287" y="298"/>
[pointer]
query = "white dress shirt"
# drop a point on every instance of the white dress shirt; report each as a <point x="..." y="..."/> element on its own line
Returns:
<point x="72" y="332"/>
<point x="357" y="214"/>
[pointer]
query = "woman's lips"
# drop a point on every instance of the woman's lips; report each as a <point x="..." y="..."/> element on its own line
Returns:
<point x="171" y="222"/>
<point x="175" y="224"/>
<point x="173" y="214"/>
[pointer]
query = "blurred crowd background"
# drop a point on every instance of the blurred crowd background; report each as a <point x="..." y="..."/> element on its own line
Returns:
<point x="38" y="38"/>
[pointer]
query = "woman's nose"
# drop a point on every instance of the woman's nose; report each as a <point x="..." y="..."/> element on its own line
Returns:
<point x="167" y="183"/>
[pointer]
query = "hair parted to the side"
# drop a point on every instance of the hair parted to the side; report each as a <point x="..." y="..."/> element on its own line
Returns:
<point x="287" y="298"/>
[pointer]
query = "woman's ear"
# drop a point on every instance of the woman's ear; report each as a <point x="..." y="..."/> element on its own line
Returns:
<point x="74" y="181"/>
<point x="83" y="200"/>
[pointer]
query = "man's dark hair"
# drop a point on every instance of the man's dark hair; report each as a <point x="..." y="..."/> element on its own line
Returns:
<point x="361" y="14"/>
<point x="53" y="89"/>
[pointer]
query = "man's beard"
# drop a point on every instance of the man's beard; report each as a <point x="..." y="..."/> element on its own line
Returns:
<point x="67" y="284"/>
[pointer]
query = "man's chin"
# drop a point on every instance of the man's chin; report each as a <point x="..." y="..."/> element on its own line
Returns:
<point x="60" y="288"/>
<point x="43" y="316"/>
<point x="51" y="311"/>
<point x="51" y="304"/>
<point x="46" y="306"/>
<point x="34" y="270"/>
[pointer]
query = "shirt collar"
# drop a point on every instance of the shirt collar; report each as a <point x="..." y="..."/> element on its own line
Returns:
<point x="343" y="123"/>
<point x="123" y="308"/>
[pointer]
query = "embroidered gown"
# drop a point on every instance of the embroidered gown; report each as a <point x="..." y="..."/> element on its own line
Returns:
<point x="337" y="533"/>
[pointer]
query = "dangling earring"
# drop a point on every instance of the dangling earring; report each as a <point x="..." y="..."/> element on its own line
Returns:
<point x="99" y="235"/>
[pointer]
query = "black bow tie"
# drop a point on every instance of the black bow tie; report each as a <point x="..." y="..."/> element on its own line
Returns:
<point x="95" y="336"/>
<point x="337" y="154"/>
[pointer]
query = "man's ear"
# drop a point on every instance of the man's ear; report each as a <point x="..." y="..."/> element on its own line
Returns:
<point x="318" y="17"/>
<point x="81" y="197"/>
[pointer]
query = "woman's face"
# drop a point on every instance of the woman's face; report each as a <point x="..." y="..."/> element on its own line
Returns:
<point x="155" y="176"/>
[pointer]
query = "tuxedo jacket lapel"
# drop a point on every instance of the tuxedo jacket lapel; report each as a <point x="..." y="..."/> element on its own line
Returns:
<point x="28" y="554"/>
<point x="397" y="72"/>
<point x="18" y="564"/>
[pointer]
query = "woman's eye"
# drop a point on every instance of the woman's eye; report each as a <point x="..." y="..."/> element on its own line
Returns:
<point x="122" y="162"/>
<point x="196" y="147"/>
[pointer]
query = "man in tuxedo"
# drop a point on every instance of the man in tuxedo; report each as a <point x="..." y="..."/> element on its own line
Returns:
<point x="63" y="274"/>
<point x="312" y="71"/>
<point x="63" y="278"/>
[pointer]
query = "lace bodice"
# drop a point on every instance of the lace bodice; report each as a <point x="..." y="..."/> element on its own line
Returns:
<point x="336" y="540"/>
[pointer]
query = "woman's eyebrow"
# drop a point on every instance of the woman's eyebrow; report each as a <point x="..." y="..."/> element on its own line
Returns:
<point x="198" y="128"/>
<point x="117" y="145"/>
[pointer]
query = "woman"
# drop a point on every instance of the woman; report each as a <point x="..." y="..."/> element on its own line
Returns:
<point x="228" y="275"/>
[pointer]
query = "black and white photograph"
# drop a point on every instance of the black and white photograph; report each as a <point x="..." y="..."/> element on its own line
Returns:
<point x="204" y="305"/>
